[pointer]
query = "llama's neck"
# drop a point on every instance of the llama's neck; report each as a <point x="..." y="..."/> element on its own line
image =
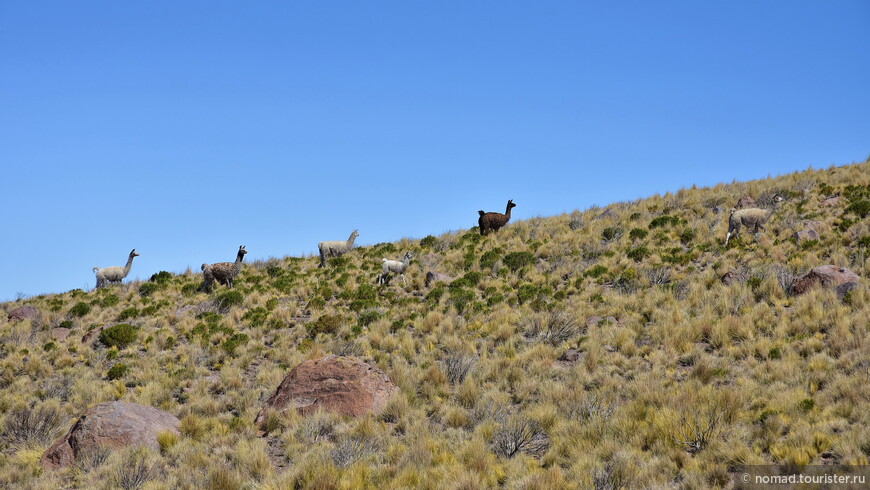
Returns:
<point x="406" y="260"/>
<point x="507" y="211"/>
<point x="350" y="240"/>
<point x="237" y="265"/>
<point x="129" y="264"/>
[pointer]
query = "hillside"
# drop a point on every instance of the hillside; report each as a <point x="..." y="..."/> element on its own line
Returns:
<point x="599" y="348"/>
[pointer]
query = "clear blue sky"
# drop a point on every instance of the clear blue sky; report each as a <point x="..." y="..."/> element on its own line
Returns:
<point x="185" y="129"/>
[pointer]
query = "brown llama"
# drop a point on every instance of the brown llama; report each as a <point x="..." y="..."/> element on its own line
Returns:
<point x="493" y="221"/>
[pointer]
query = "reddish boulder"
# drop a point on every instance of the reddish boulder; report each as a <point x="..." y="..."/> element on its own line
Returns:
<point x="59" y="333"/>
<point x="828" y="276"/>
<point x="23" y="313"/>
<point x="345" y="385"/>
<point x="111" y="425"/>
<point x="745" y="202"/>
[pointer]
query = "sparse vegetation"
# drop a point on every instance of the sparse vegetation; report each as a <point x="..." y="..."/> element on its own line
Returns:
<point x="599" y="348"/>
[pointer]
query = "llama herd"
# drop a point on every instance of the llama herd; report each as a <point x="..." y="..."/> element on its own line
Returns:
<point x="224" y="272"/>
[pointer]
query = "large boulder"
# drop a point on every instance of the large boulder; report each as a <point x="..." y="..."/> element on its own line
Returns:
<point x="340" y="384"/>
<point x="745" y="202"/>
<point x="23" y="313"/>
<point x="829" y="276"/>
<point x="111" y="425"/>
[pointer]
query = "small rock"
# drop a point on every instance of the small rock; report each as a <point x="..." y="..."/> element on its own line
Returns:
<point x="608" y="348"/>
<point x="607" y="213"/>
<point x="433" y="277"/>
<point x="731" y="277"/>
<point x="593" y="321"/>
<point x="828" y="276"/>
<point x="745" y="202"/>
<point x="804" y="235"/>
<point x="718" y="209"/>
<point x="91" y="335"/>
<point x="23" y="313"/>
<point x="60" y="333"/>
<point x="830" y="202"/>
<point x="571" y="355"/>
<point x="340" y="384"/>
<point x="112" y="425"/>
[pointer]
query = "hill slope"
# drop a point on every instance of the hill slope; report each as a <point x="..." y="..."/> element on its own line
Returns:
<point x="593" y="348"/>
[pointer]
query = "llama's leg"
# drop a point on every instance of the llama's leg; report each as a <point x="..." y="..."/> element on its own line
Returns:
<point x="403" y="279"/>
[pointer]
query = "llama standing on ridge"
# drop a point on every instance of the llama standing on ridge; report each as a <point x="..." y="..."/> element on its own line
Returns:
<point x="493" y="221"/>
<point x="754" y="218"/>
<point x="335" y="248"/>
<point x="222" y="272"/>
<point x="394" y="266"/>
<point x="115" y="273"/>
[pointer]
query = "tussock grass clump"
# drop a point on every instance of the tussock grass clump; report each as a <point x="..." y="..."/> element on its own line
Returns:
<point x="120" y="335"/>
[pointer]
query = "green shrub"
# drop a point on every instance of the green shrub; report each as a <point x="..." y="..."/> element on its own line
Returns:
<point x="687" y="236"/>
<point x="160" y="277"/>
<point x="110" y="300"/>
<point x="638" y="254"/>
<point x="489" y="258"/>
<point x="148" y="288"/>
<point x="460" y="297"/>
<point x="150" y="310"/>
<point x="327" y="324"/>
<point x="859" y="208"/>
<point x="231" y="344"/>
<point x="428" y="242"/>
<point x="117" y="371"/>
<point x="189" y="289"/>
<point x="369" y="317"/>
<point x="257" y="316"/>
<point x="120" y="335"/>
<point x="128" y="313"/>
<point x="664" y="220"/>
<point x="597" y="270"/>
<point x="638" y="234"/>
<point x="435" y="294"/>
<point x="49" y="346"/>
<point x="80" y="309"/>
<point x="271" y="304"/>
<point x="517" y="260"/>
<point x="611" y="233"/>
<point x="472" y="277"/>
<point x="227" y="299"/>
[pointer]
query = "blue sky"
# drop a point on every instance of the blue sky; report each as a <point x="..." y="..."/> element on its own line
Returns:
<point x="185" y="129"/>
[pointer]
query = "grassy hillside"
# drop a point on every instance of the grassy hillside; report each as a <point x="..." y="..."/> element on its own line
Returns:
<point x="671" y="378"/>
